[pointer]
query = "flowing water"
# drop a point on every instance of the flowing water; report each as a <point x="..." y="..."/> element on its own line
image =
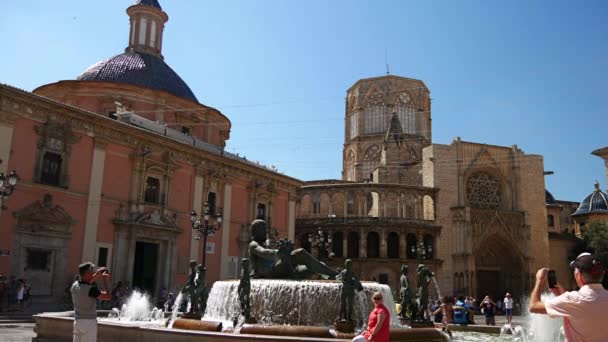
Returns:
<point x="294" y="302"/>
<point x="437" y="289"/>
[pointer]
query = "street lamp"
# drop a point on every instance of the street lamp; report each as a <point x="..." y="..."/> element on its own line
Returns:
<point x="7" y="186"/>
<point x="322" y="243"/>
<point x="421" y="251"/>
<point x="204" y="228"/>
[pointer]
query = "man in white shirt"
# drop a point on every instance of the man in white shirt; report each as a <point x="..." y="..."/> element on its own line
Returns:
<point x="583" y="311"/>
<point x="508" y="307"/>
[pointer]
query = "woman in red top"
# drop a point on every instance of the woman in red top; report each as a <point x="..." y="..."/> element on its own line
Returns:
<point x="377" y="324"/>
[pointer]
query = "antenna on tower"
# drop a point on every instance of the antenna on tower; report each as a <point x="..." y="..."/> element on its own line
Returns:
<point x="386" y="61"/>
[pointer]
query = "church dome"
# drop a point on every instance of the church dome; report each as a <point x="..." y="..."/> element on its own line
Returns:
<point x="549" y="199"/>
<point x="140" y="69"/>
<point x="596" y="202"/>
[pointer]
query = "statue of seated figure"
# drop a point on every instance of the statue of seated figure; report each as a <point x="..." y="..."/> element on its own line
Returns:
<point x="284" y="262"/>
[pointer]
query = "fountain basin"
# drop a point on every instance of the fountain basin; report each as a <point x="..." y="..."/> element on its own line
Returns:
<point x="295" y="302"/>
<point x="58" y="327"/>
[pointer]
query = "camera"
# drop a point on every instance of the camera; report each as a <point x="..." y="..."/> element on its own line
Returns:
<point x="552" y="279"/>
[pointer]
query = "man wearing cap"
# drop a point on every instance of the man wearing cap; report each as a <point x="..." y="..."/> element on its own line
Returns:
<point x="584" y="310"/>
<point x="84" y="297"/>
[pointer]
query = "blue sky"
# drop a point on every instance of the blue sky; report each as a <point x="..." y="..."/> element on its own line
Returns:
<point x="530" y="73"/>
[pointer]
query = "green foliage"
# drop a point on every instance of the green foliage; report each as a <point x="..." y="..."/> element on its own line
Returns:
<point x="596" y="238"/>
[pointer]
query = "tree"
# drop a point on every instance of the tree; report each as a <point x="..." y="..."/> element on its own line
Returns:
<point x="596" y="239"/>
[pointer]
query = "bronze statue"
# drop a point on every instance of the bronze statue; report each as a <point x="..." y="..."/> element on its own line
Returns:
<point x="244" y="290"/>
<point x="404" y="292"/>
<point x="202" y="292"/>
<point x="424" y="278"/>
<point x="350" y="283"/>
<point x="190" y="288"/>
<point x="284" y="262"/>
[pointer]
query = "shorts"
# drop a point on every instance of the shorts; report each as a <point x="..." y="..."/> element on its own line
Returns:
<point x="85" y="330"/>
<point x="509" y="312"/>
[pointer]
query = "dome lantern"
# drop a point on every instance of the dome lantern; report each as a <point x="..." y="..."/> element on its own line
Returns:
<point x="147" y="26"/>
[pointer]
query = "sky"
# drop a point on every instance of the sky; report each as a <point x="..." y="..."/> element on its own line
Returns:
<point x="530" y="73"/>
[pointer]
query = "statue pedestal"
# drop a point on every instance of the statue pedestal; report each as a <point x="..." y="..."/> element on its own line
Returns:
<point x="422" y="324"/>
<point x="343" y="326"/>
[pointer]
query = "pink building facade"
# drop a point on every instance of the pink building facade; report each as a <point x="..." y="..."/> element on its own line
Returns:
<point x="115" y="183"/>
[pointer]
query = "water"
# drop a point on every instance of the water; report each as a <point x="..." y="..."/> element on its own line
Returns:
<point x="175" y="309"/>
<point x="293" y="302"/>
<point x="538" y="328"/>
<point x="137" y="308"/>
<point x="437" y="287"/>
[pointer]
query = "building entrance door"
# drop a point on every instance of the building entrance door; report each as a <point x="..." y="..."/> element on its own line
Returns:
<point x="145" y="266"/>
<point x="488" y="283"/>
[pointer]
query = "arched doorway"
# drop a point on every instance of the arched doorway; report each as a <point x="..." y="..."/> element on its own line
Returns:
<point x="500" y="268"/>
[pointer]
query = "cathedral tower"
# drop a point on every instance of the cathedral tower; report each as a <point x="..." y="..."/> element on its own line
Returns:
<point x="388" y="122"/>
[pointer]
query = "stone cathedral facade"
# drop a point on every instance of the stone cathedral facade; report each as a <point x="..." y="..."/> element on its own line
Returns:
<point x="474" y="212"/>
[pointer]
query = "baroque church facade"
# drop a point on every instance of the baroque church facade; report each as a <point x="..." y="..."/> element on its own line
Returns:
<point x="474" y="213"/>
<point x="116" y="184"/>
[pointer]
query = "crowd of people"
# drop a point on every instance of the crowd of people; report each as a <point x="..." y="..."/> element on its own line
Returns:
<point x="462" y="309"/>
<point x="15" y="294"/>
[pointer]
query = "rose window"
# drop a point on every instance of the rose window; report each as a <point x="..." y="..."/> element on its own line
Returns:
<point x="483" y="191"/>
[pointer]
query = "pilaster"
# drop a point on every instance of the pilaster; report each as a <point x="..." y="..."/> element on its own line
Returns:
<point x="94" y="201"/>
<point x="226" y="219"/>
<point x="6" y="143"/>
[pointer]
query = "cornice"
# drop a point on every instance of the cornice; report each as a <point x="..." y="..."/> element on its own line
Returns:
<point x="15" y="103"/>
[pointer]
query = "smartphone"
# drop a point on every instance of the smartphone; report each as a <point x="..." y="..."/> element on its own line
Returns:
<point x="552" y="279"/>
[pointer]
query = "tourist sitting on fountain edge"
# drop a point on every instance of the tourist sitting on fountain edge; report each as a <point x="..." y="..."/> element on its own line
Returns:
<point x="584" y="311"/>
<point x="284" y="262"/>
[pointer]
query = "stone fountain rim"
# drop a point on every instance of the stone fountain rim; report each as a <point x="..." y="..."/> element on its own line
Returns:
<point x="235" y="337"/>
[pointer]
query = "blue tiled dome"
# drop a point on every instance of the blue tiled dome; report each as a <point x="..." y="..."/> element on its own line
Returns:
<point x="549" y="199"/>
<point x="139" y="69"/>
<point x="596" y="202"/>
<point x="153" y="3"/>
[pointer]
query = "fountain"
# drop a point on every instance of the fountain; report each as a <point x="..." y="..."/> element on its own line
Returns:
<point x="287" y="306"/>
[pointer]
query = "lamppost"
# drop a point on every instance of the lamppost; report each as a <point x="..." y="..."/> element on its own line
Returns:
<point x="204" y="228"/>
<point x="421" y="251"/>
<point x="7" y="186"/>
<point x="323" y="244"/>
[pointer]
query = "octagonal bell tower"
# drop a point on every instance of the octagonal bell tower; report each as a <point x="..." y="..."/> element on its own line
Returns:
<point x="387" y="123"/>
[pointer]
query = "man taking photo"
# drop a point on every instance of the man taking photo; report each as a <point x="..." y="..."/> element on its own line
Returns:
<point x="584" y="310"/>
<point x="84" y="296"/>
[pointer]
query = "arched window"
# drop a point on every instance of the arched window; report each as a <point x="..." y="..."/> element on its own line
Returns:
<point x="406" y="113"/>
<point x="305" y="242"/>
<point x="371" y="158"/>
<point x="392" y="245"/>
<point x="353" y="122"/>
<point x="350" y="166"/>
<point x="337" y="245"/>
<point x="375" y="115"/>
<point x="429" y="246"/>
<point x="550" y="220"/>
<point x="353" y="245"/>
<point x="484" y="191"/>
<point x="373" y="245"/>
<point x="410" y="243"/>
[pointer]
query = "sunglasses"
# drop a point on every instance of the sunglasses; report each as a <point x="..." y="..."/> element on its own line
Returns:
<point x="377" y="298"/>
